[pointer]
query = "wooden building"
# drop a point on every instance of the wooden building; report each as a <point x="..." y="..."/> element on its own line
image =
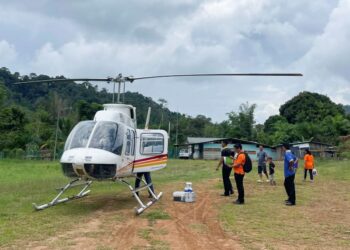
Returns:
<point x="318" y="149"/>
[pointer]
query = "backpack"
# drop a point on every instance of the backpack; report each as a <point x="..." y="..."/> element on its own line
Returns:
<point x="247" y="167"/>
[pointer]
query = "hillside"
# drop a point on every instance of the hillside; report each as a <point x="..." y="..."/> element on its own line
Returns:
<point x="347" y="109"/>
<point x="30" y="114"/>
<point x="39" y="104"/>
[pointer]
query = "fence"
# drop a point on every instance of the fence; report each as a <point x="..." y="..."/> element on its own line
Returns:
<point x="45" y="154"/>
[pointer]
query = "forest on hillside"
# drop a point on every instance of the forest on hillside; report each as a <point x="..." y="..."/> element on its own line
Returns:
<point x="32" y="115"/>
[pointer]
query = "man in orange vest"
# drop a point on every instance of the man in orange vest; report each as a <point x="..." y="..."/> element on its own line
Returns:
<point x="239" y="172"/>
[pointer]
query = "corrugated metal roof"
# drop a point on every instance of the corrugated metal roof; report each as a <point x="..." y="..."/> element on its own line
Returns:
<point x="197" y="140"/>
<point x="200" y="140"/>
<point x="302" y="142"/>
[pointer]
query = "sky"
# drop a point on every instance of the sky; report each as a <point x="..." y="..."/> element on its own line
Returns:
<point x="100" y="38"/>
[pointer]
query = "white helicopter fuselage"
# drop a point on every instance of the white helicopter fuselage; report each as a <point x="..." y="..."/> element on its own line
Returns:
<point x="110" y="146"/>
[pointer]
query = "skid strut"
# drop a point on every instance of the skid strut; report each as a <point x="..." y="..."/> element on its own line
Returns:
<point x="77" y="182"/>
<point x="142" y="206"/>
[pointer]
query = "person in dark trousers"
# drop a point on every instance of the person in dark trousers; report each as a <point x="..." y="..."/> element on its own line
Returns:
<point x="308" y="165"/>
<point x="271" y="171"/>
<point x="289" y="175"/>
<point x="148" y="180"/>
<point x="226" y="158"/>
<point x="262" y="156"/>
<point x="239" y="173"/>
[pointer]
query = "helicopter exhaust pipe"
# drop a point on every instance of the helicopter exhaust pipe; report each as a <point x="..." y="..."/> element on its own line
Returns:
<point x="148" y="117"/>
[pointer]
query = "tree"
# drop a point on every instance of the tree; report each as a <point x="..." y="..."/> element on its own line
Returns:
<point x="242" y="124"/>
<point x="284" y="132"/>
<point x="309" y="107"/>
<point x="12" y="126"/>
<point x="3" y="93"/>
<point x="246" y="118"/>
<point x="86" y="111"/>
<point x="271" y="121"/>
<point x="346" y="109"/>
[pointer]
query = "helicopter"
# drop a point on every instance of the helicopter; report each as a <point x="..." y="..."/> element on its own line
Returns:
<point x="111" y="147"/>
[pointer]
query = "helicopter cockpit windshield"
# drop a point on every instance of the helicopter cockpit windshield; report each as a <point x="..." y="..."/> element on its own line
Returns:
<point x="101" y="135"/>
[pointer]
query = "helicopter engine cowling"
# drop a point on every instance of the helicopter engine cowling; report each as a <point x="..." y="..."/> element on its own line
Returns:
<point x="90" y="163"/>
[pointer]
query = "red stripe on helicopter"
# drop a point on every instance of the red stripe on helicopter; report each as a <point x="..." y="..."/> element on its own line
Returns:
<point x="158" y="157"/>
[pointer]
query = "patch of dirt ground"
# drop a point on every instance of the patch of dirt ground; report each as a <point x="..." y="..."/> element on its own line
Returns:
<point x="166" y="225"/>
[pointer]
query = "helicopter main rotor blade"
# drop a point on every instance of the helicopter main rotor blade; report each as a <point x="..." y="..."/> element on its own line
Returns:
<point x="69" y="80"/>
<point x="120" y="78"/>
<point x="233" y="74"/>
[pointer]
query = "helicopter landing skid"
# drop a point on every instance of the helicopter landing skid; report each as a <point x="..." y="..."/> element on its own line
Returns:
<point x="57" y="200"/>
<point x="134" y="192"/>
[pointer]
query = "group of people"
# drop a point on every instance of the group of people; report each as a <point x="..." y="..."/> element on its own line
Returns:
<point x="263" y="158"/>
<point x="233" y="160"/>
<point x="236" y="159"/>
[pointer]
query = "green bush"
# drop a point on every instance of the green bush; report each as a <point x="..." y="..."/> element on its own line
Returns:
<point x="7" y="153"/>
<point x="344" y="149"/>
<point x="18" y="153"/>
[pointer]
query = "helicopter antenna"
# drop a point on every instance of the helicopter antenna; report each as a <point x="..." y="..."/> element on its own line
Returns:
<point x="113" y="92"/>
<point x="148" y="118"/>
<point x="124" y="92"/>
<point x="118" y="98"/>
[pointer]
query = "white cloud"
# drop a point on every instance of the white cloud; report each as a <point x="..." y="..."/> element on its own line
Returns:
<point x="103" y="38"/>
<point x="326" y="64"/>
<point x="8" y="53"/>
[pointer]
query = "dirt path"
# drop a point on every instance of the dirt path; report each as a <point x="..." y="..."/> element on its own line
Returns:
<point x="185" y="226"/>
<point x="196" y="226"/>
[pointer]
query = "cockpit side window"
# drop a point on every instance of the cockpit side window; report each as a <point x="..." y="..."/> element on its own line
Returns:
<point x="118" y="146"/>
<point x="107" y="137"/>
<point x="102" y="135"/>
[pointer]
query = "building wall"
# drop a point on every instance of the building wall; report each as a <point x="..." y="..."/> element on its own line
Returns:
<point x="212" y="151"/>
<point x="318" y="150"/>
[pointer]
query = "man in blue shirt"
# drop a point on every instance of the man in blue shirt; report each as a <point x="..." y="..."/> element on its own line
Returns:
<point x="289" y="174"/>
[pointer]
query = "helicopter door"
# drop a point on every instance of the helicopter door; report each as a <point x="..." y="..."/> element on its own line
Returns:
<point x="129" y="153"/>
<point x="151" y="150"/>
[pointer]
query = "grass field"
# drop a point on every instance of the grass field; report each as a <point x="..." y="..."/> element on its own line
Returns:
<point x="321" y="218"/>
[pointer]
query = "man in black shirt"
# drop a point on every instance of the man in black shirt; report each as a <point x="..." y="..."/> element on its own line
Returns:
<point x="226" y="158"/>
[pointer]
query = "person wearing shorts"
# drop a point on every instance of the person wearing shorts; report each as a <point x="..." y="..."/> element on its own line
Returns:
<point x="261" y="155"/>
